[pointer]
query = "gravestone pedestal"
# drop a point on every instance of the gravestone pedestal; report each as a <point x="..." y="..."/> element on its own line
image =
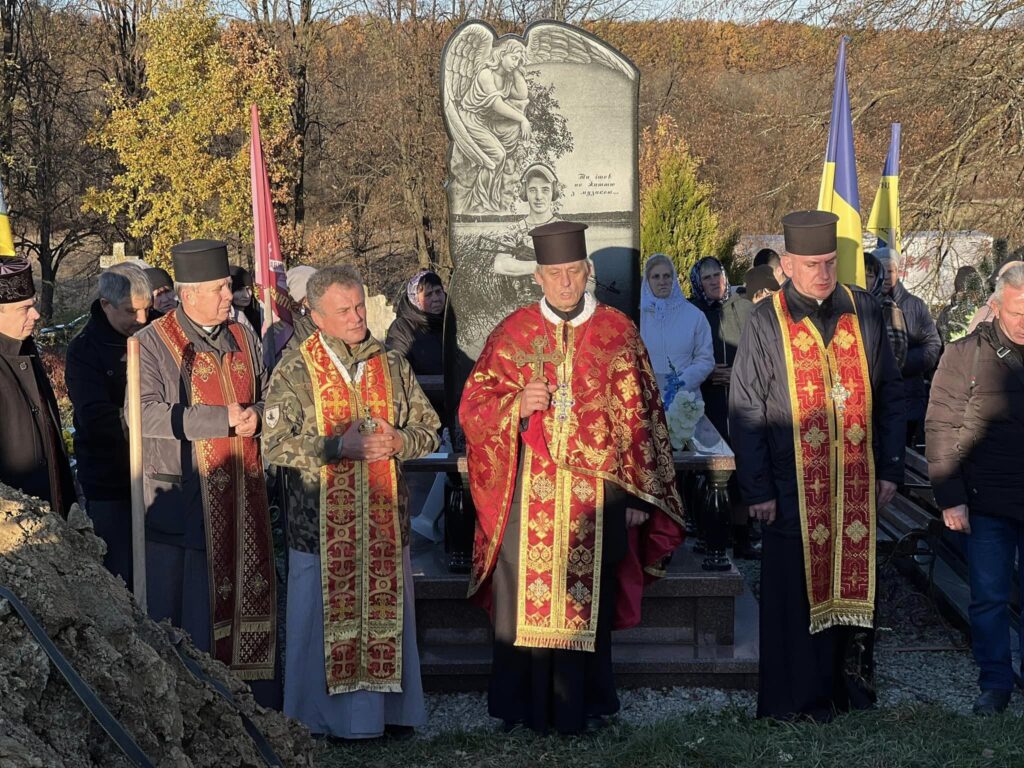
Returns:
<point x="698" y="628"/>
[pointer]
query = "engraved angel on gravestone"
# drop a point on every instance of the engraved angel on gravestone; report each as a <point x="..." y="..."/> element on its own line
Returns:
<point x="485" y="101"/>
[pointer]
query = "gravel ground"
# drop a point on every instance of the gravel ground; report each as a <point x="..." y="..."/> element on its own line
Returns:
<point x="920" y="658"/>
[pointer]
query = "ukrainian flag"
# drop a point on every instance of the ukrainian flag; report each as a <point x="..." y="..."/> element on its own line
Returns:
<point x="884" y="219"/>
<point x="839" y="180"/>
<point x="6" y="238"/>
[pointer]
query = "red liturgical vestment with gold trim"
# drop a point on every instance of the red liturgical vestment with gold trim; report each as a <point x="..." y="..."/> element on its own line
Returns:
<point x="605" y="425"/>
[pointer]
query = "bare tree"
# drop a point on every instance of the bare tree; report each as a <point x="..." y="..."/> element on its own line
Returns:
<point x="51" y="161"/>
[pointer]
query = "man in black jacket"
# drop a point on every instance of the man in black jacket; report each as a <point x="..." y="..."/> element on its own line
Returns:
<point x="96" y="375"/>
<point x="974" y="423"/>
<point x="32" y="457"/>
<point x="923" y="343"/>
<point x="816" y="414"/>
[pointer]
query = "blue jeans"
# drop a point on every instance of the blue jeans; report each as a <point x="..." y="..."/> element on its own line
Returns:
<point x="991" y="547"/>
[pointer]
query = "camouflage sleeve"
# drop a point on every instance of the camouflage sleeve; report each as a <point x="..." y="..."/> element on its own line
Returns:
<point x="290" y="434"/>
<point x="418" y="422"/>
<point x="261" y="374"/>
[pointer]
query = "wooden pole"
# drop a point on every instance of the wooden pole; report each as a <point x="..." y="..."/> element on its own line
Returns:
<point x="135" y="457"/>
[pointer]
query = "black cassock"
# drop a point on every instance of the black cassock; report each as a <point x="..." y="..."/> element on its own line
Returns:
<point x="804" y="675"/>
<point x="545" y="688"/>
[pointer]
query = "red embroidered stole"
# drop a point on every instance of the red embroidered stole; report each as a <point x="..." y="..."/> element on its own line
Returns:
<point x="605" y="424"/>
<point x="561" y="520"/>
<point x="237" y="518"/>
<point x="830" y="392"/>
<point x="361" y="559"/>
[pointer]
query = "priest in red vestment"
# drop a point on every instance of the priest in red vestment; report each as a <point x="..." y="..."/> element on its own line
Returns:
<point x="571" y="472"/>
<point x="209" y="555"/>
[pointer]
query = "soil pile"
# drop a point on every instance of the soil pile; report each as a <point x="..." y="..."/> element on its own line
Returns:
<point x="55" y="568"/>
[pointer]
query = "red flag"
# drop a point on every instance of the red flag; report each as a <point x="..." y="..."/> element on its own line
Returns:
<point x="270" y="273"/>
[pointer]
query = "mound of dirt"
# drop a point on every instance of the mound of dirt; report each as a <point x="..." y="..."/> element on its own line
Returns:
<point x="55" y="568"/>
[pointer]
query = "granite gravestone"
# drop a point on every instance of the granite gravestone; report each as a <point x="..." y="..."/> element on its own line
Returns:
<point x="542" y="127"/>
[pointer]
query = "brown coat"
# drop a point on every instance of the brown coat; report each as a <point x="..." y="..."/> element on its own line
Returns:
<point x="974" y="433"/>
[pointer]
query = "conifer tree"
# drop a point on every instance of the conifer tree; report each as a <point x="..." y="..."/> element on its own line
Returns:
<point x="676" y="213"/>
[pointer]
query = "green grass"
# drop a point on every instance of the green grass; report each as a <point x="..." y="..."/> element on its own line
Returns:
<point x="911" y="737"/>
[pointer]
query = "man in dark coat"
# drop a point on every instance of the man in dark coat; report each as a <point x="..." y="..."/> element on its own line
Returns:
<point x="727" y="314"/>
<point x="96" y="376"/>
<point x="974" y="423"/>
<point x="816" y="409"/>
<point x="923" y="343"/>
<point x="32" y="456"/>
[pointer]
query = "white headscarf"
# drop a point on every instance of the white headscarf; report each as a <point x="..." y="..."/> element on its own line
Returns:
<point x="660" y="308"/>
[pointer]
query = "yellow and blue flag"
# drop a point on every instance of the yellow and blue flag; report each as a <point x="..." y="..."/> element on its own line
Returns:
<point x="884" y="219"/>
<point x="6" y="238"/>
<point x="839" y="180"/>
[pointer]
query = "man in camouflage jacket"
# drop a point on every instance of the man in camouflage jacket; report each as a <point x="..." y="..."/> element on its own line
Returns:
<point x="325" y="419"/>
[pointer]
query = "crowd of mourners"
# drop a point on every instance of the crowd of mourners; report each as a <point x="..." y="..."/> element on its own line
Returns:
<point x="818" y="387"/>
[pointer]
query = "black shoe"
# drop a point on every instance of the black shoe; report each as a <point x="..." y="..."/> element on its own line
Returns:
<point x="991" y="702"/>
<point x="747" y="551"/>
<point x="399" y="732"/>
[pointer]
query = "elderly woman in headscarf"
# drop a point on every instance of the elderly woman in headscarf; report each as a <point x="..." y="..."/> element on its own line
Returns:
<point x="727" y="314"/>
<point x="417" y="331"/>
<point x="676" y="333"/>
<point x="876" y="276"/>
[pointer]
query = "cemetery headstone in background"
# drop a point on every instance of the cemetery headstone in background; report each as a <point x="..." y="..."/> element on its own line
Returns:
<point x="559" y="102"/>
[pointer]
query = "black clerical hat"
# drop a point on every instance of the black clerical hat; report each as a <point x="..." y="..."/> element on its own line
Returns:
<point x="199" y="261"/>
<point x="559" y="242"/>
<point x="16" y="281"/>
<point x="810" y="233"/>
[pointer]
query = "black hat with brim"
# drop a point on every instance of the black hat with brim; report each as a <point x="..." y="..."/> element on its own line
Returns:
<point x="200" y="261"/>
<point x="240" y="278"/>
<point x="810" y="233"/>
<point x="560" y="242"/>
<point x="158" y="278"/>
<point x="759" y="279"/>
<point x="16" y="281"/>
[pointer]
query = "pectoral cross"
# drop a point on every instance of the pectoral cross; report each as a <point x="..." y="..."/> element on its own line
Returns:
<point x="538" y="358"/>
<point x="839" y="395"/>
<point x="563" y="402"/>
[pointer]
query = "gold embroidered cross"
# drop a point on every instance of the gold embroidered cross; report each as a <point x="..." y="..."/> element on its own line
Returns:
<point x="538" y="358"/>
<point x="839" y="395"/>
<point x="225" y="589"/>
<point x="810" y="388"/>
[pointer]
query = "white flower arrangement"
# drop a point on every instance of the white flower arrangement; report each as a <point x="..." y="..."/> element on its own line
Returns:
<point x="682" y="415"/>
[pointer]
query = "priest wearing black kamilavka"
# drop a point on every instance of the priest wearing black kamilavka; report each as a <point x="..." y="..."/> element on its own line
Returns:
<point x="209" y="553"/>
<point x="573" y="482"/>
<point x="817" y="403"/>
<point x="32" y="456"/>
